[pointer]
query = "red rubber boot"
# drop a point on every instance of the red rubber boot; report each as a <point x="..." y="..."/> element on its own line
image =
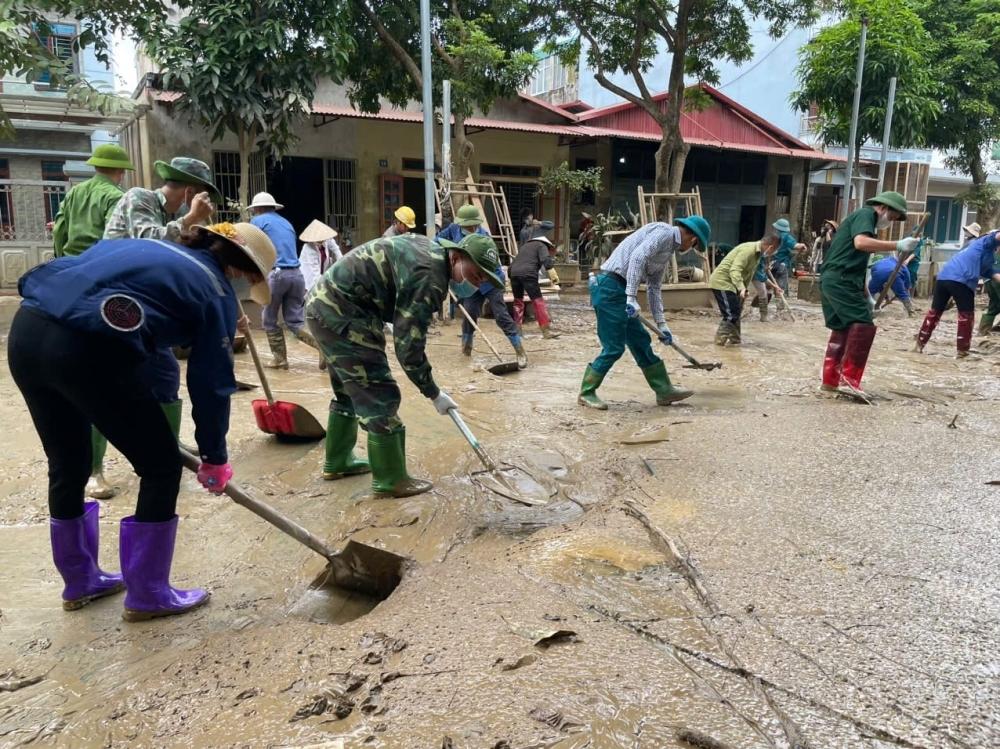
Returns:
<point x="860" y="337"/>
<point x="964" y="341"/>
<point x="833" y="360"/>
<point x="931" y="319"/>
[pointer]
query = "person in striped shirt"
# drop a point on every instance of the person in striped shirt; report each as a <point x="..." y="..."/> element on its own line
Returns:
<point x="642" y="257"/>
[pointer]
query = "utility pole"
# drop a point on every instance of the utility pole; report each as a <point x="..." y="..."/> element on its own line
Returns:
<point x="849" y="169"/>
<point x="887" y="132"/>
<point x="425" y="73"/>
<point x="446" y="134"/>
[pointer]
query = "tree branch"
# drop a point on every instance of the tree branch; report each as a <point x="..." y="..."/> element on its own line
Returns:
<point x="646" y="104"/>
<point x="394" y="46"/>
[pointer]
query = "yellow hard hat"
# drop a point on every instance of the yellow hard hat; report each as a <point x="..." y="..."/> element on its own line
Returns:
<point x="405" y="214"/>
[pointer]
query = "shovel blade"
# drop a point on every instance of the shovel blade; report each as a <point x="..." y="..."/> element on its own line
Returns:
<point x="286" y="419"/>
<point x="366" y="569"/>
<point x="503" y="368"/>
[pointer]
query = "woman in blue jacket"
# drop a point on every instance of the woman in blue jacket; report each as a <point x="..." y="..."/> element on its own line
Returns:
<point x="958" y="280"/>
<point x="76" y="351"/>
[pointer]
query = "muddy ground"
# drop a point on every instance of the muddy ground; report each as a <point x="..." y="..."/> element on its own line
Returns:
<point x="758" y="566"/>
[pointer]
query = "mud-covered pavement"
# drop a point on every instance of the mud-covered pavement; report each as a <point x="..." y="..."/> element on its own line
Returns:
<point x="758" y="565"/>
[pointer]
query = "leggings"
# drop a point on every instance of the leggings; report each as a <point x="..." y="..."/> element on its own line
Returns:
<point x="945" y="291"/>
<point x="71" y="379"/>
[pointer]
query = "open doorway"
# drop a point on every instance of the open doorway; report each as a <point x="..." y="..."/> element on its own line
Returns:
<point x="297" y="183"/>
<point x="752" y="222"/>
<point x="413" y="196"/>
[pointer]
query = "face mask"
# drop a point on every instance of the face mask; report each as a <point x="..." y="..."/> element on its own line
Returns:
<point x="463" y="289"/>
<point x="883" y="222"/>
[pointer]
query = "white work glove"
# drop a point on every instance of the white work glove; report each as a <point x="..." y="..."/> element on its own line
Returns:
<point x="665" y="335"/>
<point x="553" y="276"/>
<point x="907" y="246"/>
<point x="631" y="306"/>
<point x="443" y="403"/>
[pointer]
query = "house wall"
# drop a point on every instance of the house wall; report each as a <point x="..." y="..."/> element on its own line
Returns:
<point x="371" y="143"/>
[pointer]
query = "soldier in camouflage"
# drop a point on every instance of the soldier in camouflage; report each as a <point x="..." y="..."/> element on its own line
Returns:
<point x="401" y="280"/>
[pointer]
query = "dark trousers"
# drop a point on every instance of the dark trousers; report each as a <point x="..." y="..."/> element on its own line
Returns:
<point x="945" y="291"/>
<point x="474" y="306"/>
<point x="71" y="380"/>
<point x="730" y="305"/>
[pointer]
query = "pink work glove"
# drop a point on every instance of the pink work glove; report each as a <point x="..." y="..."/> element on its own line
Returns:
<point x="214" y="478"/>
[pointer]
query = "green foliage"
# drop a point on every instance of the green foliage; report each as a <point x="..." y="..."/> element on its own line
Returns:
<point x="897" y="45"/>
<point x="23" y="26"/>
<point x="484" y="47"/>
<point x="575" y="181"/>
<point x="250" y="66"/>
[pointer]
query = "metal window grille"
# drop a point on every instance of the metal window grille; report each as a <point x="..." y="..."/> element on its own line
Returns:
<point x="27" y="206"/>
<point x="340" y="178"/>
<point x="53" y="194"/>
<point x="60" y="43"/>
<point x="7" y="233"/>
<point x="226" y="171"/>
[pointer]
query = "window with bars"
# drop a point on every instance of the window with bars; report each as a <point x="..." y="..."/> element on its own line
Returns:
<point x="58" y="39"/>
<point x="226" y="170"/>
<point x="550" y="75"/>
<point x="7" y="232"/>
<point x="52" y="195"/>
<point x="340" y="183"/>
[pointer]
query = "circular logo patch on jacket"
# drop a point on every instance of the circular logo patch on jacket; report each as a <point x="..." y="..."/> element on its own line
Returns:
<point x="122" y="312"/>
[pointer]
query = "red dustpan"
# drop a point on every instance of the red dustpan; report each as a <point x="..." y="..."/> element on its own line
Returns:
<point x="281" y="418"/>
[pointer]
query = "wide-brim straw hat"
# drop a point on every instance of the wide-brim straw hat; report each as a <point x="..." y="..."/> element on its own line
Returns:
<point x="256" y="245"/>
<point x="832" y="223"/>
<point x="973" y="230"/>
<point x="317" y="231"/>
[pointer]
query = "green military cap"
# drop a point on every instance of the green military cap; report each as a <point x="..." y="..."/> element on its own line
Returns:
<point x="110" y="156"/>
<point x="468" y="215"/>
<point x="188" y="171"/>
<point x="483" y="252"/>
<point x="890" y="199"/>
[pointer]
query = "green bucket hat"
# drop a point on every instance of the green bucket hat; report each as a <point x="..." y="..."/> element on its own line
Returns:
<point x="483" y="251"/>
<point x="697" y="226"/>
<point x="110" y="156"/>
<point x="890" y="199"/>
<point x="468" y="215"/>
<point x="188" y="171"/>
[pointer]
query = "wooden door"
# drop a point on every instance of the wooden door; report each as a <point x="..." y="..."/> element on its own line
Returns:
<point x="390" y="197"/>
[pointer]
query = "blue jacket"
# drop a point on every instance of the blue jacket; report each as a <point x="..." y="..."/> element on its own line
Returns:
<point x="183" y="298"/>
<point x="880" y="276"/>
<point x="453" y="233"/>
<point x="784" y="252"/>
<point x="974" y="262"/>
<point x="282" y="234"/>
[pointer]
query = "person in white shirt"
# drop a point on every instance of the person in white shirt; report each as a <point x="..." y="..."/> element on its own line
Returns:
<point x="319" y="251"/>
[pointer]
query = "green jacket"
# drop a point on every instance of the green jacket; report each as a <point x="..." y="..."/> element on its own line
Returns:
<point x="737" y="268"/>
<point x="401" y="280"/>
<point x="83" y="215"/>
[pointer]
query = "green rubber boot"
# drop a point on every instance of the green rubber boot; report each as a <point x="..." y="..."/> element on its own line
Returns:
<point x="588" y="397"/>
<point x="986" y="324"/>
<point x="341" y="436"/>
<point x="387" y="455"/>
<point x="98" y="486"/>
<point x="666" y="393"/>
<point x="306" y="337"/>
<point x="173" y="413"/>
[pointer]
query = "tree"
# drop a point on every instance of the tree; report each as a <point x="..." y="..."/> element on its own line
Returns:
<point x="625" y="36"/>
<point x="965" y="59"/>
<point x="24" y="27"/>
<point x="249" y="67"/>
<point x="897" y="45"/>
<point x="573" y="181"/>
<point x="483" y="46"/>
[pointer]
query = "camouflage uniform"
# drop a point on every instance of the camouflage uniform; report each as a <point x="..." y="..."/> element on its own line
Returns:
<point x="142" y="214"/>
<point x="400" y="280"/>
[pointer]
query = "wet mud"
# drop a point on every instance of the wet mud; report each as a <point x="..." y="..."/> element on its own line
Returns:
<point x="757" y="566"/>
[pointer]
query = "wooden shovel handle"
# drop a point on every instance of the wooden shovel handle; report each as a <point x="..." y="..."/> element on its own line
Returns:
<point x="472" y="322"/>
<point x="256" y="359"/>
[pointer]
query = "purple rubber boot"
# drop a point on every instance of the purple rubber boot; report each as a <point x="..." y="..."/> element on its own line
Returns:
<point x="147" y="551"/>
<point x="74" y="550"/>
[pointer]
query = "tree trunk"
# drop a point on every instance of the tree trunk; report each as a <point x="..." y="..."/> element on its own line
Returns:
<point x="988" y="205"/>
<point x="243" y="197"/>
<point x="673" y="151"/>
<point x="464" y="150"/>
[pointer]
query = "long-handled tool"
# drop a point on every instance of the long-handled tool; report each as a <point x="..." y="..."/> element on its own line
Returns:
<point x="503" y="367"/>
<point x="485" y="459"/>
<point x="918" y="231"/>
<point x="357" y="566"/>
<point x="283" y="418"/>
<point x="692" y="362"/>
<point x="780" y="293"/>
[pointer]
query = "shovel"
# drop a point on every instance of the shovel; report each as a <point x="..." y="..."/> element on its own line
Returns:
<point x="283" y="418"/>
<point x="359" y="567"/>
<point x="504" y="367"/>
<point x="692" y="362"/>
<point x="918" y="231"/>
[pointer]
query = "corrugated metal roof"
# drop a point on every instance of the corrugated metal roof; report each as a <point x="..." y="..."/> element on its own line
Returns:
<point x="397" y="115"/>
